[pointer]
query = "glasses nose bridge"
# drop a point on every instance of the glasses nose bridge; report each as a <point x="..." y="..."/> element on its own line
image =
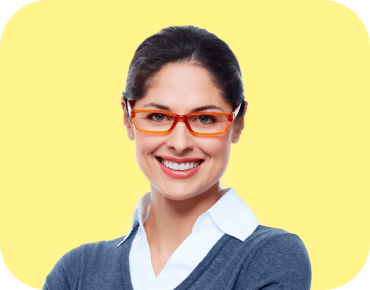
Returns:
<point x="181" y="118"/>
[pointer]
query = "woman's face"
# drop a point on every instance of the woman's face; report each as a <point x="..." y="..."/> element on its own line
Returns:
<point x="182" y="88"/>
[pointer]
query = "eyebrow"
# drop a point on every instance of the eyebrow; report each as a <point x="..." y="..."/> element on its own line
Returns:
<point x="198" y="109"/>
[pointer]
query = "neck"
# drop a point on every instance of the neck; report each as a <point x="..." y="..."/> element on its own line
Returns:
<point x="170" y="222"/>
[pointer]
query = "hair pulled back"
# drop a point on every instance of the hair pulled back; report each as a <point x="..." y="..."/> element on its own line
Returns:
<point x="181" y="44"/>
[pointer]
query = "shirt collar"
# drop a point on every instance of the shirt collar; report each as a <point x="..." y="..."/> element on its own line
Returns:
<point x="230" y="213"/>
<point x="233" y="216"/>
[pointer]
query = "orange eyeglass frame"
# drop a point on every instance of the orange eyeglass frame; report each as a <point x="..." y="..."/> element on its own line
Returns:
<point x="184" y="118"/>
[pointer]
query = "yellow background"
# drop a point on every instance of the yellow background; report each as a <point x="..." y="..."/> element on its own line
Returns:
<point x="69" y="174"/>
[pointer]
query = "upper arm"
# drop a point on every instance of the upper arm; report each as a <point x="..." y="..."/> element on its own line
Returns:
<point x="282" y="262"/>
<point x="64" y="275"/>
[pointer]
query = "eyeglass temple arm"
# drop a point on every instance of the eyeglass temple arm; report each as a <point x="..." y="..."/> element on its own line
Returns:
<point x="128" y="106"/>
<point x="235" y="113"/>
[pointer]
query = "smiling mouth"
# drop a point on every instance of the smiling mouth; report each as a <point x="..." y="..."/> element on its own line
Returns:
<point x="179" y="166"/>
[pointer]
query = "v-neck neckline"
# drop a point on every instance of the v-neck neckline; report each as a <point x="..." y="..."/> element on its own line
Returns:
<point x="189" y="280"/>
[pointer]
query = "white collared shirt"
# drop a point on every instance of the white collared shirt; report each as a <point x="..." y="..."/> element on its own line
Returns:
<point x="229" y="215"/>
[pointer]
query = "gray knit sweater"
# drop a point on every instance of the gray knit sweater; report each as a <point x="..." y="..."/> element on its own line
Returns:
<point x="268" y="259"/>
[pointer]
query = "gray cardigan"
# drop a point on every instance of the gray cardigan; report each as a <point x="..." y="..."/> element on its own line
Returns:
<point x="268" y="259"/>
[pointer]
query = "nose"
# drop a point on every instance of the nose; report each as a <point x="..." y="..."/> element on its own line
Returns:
<point x="180" y="139"/>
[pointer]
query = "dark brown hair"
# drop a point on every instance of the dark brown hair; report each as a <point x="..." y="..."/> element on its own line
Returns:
<point x="178" y="44"/>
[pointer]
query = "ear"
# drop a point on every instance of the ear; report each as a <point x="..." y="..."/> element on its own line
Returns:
<point x="127" y="120"/>
<point x="239" y="126"/>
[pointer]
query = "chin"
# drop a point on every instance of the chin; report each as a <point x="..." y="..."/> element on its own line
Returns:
<point x="180" y="191"/>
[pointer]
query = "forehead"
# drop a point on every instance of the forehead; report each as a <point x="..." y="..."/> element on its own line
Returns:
<point x="183" y="87"/>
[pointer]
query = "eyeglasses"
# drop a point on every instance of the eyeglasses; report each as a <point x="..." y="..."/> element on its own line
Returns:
<point x="199" y="124"/>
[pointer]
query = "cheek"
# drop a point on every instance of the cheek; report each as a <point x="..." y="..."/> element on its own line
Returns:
<point x="217" y="148"/>
<point x="145" y="145"/>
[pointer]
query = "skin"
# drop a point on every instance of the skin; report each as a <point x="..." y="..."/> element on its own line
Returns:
<point x="177" y="203"/>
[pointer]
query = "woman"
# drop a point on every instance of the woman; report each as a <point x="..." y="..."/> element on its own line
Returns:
<point x="184" y="107"/>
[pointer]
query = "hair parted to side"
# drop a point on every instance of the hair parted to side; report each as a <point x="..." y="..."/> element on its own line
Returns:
<point x="186" y="44"/>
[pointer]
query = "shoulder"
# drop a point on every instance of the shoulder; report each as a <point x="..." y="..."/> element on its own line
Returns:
<point x="278" y="257"/>
<point x="272" y="242"/>
<point x="264" y="237"/>
<point x="97" y="249"/>
<point x="67" y="271"/>
<point x="91" y="253"/>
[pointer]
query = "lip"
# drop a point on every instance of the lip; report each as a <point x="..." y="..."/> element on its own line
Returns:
<point x="179" y="160"/>
<point x="179" y="174"/>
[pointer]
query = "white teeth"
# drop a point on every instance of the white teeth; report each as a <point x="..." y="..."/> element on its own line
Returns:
<point x="181" y="166"/>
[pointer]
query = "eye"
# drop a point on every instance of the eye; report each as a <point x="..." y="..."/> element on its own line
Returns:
<point x="206" y="119"/>
<point x="158" y="117"/>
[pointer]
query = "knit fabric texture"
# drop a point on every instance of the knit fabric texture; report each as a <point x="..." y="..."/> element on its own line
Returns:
<point x="268" y="259"/>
